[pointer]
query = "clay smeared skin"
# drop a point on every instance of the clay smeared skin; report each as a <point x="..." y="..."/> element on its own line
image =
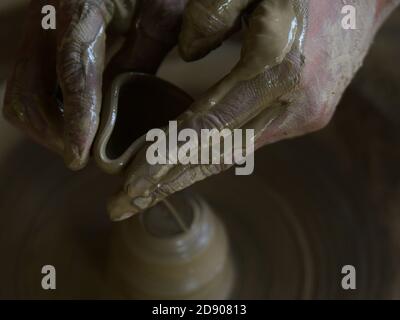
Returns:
<point x="79" y="70"/>
<point x="293" y="89"/>
<point x="291" y="98"/>
<point x="206" y="24"/>
<point x="73" y="58"/>
<point x="271" y="33"/>
<point x="155" y="182"/>
<point x="272" y="20"/>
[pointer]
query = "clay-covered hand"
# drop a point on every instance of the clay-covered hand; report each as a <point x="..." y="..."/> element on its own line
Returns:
<point x="55" y="91"/>
<point x="296" y="61"/>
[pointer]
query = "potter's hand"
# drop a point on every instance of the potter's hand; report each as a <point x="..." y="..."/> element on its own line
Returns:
<point x="296" y="61"/>
<point x="66" y="65"/>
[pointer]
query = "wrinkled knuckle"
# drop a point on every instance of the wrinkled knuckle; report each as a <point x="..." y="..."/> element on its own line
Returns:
<point x="82" y="13"/>
<point x="71" y="69"/>
<point x="166" y="190"/>
<point x="78" y="44"/>
<point x="209" y="120"/>
<point x="286" y="75"/>
<point x="295" y="64"/>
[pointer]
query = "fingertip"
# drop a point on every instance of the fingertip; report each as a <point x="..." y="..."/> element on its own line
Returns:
<point x="81" y="122"/>
<point x="206" y="25"/>
<point x="191" y="45"/>
<point x="122" y="217"/>
<point x="120" y="208"/>
<point x="139" y="186"/>
<point x="74" y="158"/>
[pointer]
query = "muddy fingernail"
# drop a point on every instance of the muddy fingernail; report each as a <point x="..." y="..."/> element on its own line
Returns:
<point x="140" y="187"/>
<point x="191" y="44"/>
<point x="143" y="202"/>
<point x="120" y="207"/>
<point x="73" y="157"/>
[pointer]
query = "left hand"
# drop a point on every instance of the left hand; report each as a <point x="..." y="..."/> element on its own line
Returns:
<point x="55" y="92"/>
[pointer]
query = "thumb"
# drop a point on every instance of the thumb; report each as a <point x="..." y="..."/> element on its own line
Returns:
<point x="80" y="64"/>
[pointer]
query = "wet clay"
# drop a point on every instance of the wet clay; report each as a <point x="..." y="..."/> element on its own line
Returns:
<point x="177" y="250"/>
<point x="134" y="104"/>
<point x="206" y="24"/>
<point x="269" y="38"/>
<point x="272" y="29"/>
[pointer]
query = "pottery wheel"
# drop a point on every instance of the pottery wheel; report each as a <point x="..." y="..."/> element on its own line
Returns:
<point x="312" y="207"/>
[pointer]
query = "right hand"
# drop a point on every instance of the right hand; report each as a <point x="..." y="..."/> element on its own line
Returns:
<point x="287" y="83"/>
